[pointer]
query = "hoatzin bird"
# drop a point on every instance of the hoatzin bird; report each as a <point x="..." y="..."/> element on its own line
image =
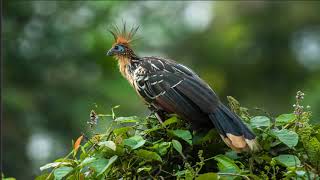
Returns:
<point x="169" y="87"/>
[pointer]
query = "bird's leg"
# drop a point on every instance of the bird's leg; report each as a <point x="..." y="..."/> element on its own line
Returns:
<point x="160" y="115"/>
<point x="160" y="119"/>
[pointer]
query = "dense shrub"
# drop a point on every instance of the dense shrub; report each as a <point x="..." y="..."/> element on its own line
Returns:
<point x="142" y="148"/>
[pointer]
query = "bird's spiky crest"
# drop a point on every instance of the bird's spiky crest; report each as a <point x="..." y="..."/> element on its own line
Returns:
<point x="123" y="35"/>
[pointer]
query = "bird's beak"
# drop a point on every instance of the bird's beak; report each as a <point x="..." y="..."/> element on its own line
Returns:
<point x="110" y="52"/>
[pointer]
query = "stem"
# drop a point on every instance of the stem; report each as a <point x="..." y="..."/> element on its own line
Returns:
<point x="208" y="159"/>
<point x="233" y="174"/>
<point x="167" y="172"/>
<point x="88" y="139"/>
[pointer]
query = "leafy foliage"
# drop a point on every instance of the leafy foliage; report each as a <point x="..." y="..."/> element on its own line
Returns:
<point x="138" y="148"/>
<point x="7" y="178"/>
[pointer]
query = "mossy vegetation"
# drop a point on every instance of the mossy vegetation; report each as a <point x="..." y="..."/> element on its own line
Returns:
<point x="142" y="148"/>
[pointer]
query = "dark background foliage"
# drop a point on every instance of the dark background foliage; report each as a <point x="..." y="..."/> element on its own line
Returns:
<point x="56" y="71"/>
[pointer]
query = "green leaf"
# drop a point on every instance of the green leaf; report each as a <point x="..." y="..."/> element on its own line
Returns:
<point x="161" y="148"/>
<point x="177" y="146"/>
<point x="145" y="168"/>
<point x="122" y="130"/>
<point x="290" y="138"/>
<point x="288" y="160"/>
<point x="134" y="142"/>
<point x="148" y="155"/>
<point x="206" y="176"/>
<point x="64" y="160"/>
<point x="54" y="164"/>
<point x="76" y="176"/>
<point x="180" y="173"/>
<point x="183" y="134"/>
<point x="284" y="119"/>
<point x="130" y="119"/>
<point x="232" y="155"/>
<point x="260" y="121"/>
<point x="8" y="178"/>
<point x="87" y="160"/>
<point x="110" y="162"/>
<point x="112" y="111"/>
<point x="99" y="164"/>
<point x="300" y="173"/>
<point x="44" y="176"/>
<point x="61" y="172"/>
<point x="109" y="144"/>
<point x="226" y="164"/>
<point x="169" y="121"/>
<point x="147" y="131"/>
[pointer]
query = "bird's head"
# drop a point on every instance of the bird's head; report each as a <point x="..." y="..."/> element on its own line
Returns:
<point x="122" y="45"/>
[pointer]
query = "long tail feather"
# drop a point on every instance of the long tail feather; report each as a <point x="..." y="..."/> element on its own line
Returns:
<point x="233" y="131"/>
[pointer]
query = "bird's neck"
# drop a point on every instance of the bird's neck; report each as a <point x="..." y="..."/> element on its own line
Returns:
<point x="125" y="65"/>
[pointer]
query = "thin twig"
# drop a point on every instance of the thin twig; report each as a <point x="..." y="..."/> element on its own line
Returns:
<point x="88" y="139"/>
<point x="167" y="172"/>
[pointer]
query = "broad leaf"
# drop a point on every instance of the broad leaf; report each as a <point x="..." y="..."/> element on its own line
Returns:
<point x="110" y="162"/>
<point x="180" y="173"/>
<point x="54" y="164"/>
<point x="148" y="155"/>
<point x="122" y="130"/>
<point x="169" y="121"/>
<point x="61" y="172"/>
<point x="147" y="131"/>
<point x="145" y="168"/>
<point x="183" y="134"/>
<point x="44" y="176"/>
<point x="87" y="160"/>
<point x="99" y="164"/>
<point x="301" y="173"/>
<point x="109" y="144"/>
<point x="288" y="160"/>
<point x="206" y="176"/>
<point x="284" y="119"/>
<point x="290" y="138"/>
<point x="161" y="148"/>
<point x="76" y="176"/>
<point x="260" y="121"/>
<point x="226" y="164"/>
<point x="130" y="119"/>
<point x="177" y="146"/>
<point x="134" y="142"/>
<point x="232" y="155"/>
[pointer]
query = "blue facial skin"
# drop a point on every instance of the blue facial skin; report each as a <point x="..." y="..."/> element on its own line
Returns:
<point x="115" y="49"/>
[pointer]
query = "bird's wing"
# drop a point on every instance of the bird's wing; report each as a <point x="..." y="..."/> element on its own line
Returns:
<point x="177" y="89"/>
<point x="174" y="87"/>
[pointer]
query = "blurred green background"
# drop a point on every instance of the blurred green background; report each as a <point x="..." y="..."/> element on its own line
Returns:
<point x="56" y="71"/>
